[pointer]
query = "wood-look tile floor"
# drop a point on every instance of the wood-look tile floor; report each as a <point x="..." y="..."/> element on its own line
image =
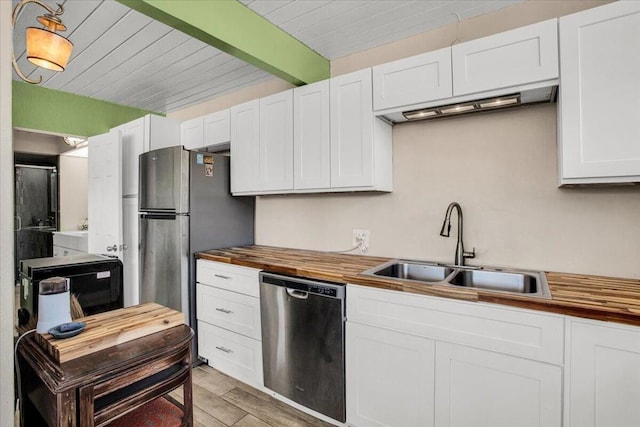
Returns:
<point x="221" y="401"/>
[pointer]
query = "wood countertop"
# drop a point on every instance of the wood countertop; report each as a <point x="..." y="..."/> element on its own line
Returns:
<point x="594" y="297"/>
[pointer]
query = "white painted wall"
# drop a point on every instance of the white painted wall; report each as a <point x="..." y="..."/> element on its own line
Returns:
<point x="72" y="179"/>
<point x="6" y="221"/>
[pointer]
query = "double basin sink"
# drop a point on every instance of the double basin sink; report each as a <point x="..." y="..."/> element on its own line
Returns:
<point x="521" y="282"/>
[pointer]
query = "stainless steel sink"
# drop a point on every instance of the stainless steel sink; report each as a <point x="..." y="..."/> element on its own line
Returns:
<point x="524" y="282"/>
<point x="409" y="270"/>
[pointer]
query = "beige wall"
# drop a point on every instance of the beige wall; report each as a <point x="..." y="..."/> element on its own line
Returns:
<point x="73" y="177"/>
<point x="259" y="90"/>
<point x="501" y="167"/>
<point x="39" y="143"/>
<point x="515" y="16"/>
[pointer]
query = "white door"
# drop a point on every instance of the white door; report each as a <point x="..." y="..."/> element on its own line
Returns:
<point x="599" y="108"/>
<point x="130" y="250"/>
<point x="481" y="388"/>
<point x="603" y="375"/>
<point x="275" y="161"/>
<point x="311" y="138"/>
<point x="389" y="378"/>
<point x="245" y="133"/>
<point x="105" y="194"/>
<point x="352" y="130"/>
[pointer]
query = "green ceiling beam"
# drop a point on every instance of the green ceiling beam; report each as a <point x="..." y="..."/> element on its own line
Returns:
<point x="48" y="110"/>
<point x="233" y="28"/>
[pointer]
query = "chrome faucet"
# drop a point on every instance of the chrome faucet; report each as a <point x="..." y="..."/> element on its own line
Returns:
<point x="446" y="229"/>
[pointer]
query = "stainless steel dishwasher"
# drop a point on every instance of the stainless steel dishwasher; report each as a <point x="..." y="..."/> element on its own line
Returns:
<point x="303" y="341"/>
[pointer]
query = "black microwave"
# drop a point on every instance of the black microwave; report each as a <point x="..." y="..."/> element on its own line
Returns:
<point x="95" y="280"/>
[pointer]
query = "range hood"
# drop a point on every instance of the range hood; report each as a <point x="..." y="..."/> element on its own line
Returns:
<point x="474" y="103"/>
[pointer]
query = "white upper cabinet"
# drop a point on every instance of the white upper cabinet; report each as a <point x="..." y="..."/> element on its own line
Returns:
<point x="192" y="133"/>
<point x="211" y="132"/>
<point x="217" y="129"/>
<point x="139" y="136"/>
<point x="602" y="381"/>
<point x="420" y="78"/>
<point x="275" y="154"/>
<point x="245" y="134"/>
<point x="311" y="137"/>
<point x="598" y="126"/>
<point x="361" y="157"/>
<point x="162" y="132"/>
<point x="512" y="58"/>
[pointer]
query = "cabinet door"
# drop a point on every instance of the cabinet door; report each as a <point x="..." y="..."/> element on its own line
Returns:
<point x="484" y="389"/>
<point x="217" y="128"/>
<point x="351" y="130"/>
<point x="600" y="93"/>
<point x="524" y="55"/>
<point x="311" y="139"/>
<point x="192" y="134"/>
<point x="245" y="133"/>
<point x="162" y="132"/>
<point x="133" y="144"/>
<point x="420" y="78"/>
<point x="603" y="375"/>
<point x="275" y="158"/>
<point x="389" y="378"/>
<point x="131" y="294"/>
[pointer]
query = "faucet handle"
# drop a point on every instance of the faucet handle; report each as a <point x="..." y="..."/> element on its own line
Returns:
<point x="471" y="254"/>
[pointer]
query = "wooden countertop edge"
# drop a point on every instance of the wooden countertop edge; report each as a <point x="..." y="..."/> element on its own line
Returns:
<point x="564" y="307"/>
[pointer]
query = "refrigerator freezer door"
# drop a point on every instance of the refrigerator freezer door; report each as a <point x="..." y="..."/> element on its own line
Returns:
<point x="164" y="180"/>
<point x="164" y="268"/>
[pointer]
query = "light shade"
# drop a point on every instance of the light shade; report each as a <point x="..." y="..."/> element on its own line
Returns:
<point x="47" y="49"/>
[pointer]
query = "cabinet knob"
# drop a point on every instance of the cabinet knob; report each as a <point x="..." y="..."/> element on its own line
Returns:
<point x="113" y="248"/>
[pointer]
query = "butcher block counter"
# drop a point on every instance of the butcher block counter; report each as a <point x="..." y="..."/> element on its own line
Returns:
<point x="594" y="297"/>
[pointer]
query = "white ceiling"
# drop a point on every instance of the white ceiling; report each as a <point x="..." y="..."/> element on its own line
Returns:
<point x="125" y="57"/>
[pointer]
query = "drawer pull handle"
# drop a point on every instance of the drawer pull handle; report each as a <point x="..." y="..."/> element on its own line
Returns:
<point x="221" y="276"/>
<point x="226" y="350"/>
<point x="225" y="311"/>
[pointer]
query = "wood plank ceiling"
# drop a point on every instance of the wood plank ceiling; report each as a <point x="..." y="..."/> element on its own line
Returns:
<point x="125" y="57"/>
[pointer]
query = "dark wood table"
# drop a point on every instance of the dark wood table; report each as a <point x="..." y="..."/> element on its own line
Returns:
<point x="95" y="389"/>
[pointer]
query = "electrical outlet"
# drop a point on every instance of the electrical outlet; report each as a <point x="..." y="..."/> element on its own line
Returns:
<point x="361" y="238"/>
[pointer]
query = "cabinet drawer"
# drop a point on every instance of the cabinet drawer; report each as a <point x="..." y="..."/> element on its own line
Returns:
<point x="231" y="353"/>
<point x="517" y="57"/>
<point x="512" y="331"/>
<point x="243" y="280"/>
<point x="236" y="312"/>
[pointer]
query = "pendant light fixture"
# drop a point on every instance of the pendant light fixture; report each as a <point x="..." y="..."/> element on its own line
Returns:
<point x="45" y="48"/>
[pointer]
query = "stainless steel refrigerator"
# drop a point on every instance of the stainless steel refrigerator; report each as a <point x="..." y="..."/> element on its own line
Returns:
<point x="185" y="206"/>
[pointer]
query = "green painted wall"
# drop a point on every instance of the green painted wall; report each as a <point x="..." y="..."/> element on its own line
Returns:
<point x="48" y="110"/>
<point x="235" y="29"/>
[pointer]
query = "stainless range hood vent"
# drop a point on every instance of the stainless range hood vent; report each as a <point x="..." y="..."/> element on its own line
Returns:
<point x="543" y="92"/>
<point x="500" y="102"/>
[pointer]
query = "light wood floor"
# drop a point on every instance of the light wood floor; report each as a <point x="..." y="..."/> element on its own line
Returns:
<point x="220" y="401"/>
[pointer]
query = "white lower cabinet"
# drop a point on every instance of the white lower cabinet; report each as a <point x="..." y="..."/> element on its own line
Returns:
<point x="603" y="375"/>
<point x="228" y="313"/>
<point x="481" y="388"/>
<point x="390" y="377"/>
<point x="414" y="360"/>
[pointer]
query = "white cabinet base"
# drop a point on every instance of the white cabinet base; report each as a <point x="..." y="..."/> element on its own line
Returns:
<point x="389" y="378"/>
<point x="480" y="388"/>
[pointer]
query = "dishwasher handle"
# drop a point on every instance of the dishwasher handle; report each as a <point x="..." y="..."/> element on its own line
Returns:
<point x="295" y="293"/>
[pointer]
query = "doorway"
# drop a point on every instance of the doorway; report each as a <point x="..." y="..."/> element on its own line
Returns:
<point x="35" y="206"/>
